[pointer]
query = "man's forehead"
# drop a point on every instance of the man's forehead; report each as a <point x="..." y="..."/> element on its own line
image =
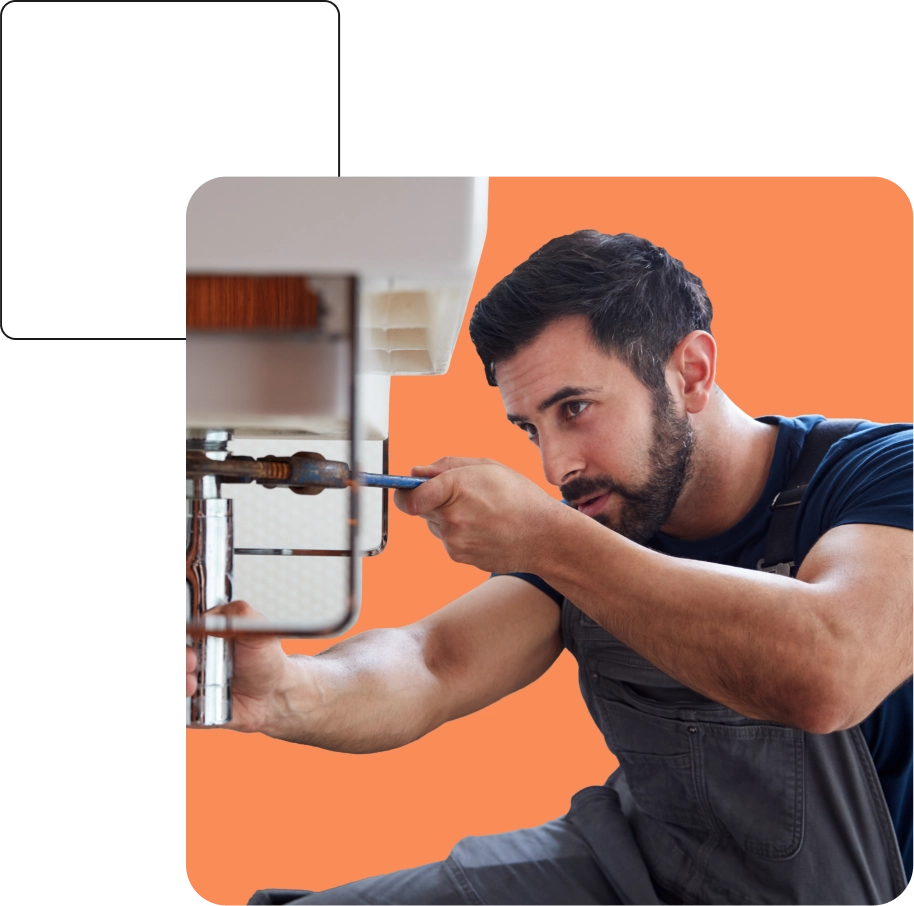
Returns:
<point x="552" y="343"/>
<point x="563" y="355"/>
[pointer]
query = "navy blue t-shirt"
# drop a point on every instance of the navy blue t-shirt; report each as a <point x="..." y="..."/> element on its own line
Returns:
<point x="866" y="477"/>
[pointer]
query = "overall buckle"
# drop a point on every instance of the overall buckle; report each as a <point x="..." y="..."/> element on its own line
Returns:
<point x="779" y="569"/>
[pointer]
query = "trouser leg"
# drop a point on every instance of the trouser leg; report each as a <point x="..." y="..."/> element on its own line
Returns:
<point x="550" y="864"/>
<point x="538" y="865"/>
<point x="276" y="896"/>
<point x="440" y="882"/>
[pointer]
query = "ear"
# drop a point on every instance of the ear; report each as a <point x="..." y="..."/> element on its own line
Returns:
<point x="691" y="370"/>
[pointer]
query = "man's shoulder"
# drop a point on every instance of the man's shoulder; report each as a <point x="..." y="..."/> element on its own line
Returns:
<point x="868" y="432"/>
<point x="868" y="445"/>
<point x="866" y="477"/>
<point x="863" y="432"/>
<point x="871" y="451"/>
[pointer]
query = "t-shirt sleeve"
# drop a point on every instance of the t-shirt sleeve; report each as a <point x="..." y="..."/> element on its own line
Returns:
<point x="871" y="482"/>
<point x="537" y="582"/>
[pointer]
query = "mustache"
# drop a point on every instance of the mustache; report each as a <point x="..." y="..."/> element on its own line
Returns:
<point x="584" y="488"/>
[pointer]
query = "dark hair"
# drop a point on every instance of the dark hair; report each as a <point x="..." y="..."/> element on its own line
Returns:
<point x="640" y="301"/>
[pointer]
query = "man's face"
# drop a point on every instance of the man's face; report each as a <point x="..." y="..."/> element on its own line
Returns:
<point x="618" y="452"/>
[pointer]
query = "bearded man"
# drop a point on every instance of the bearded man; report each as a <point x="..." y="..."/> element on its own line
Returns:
<point x="737" y="593"/>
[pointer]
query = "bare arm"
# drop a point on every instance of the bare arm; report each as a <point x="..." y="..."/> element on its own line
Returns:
<point x="820" y="651"/>
<point x="386" y="687"/>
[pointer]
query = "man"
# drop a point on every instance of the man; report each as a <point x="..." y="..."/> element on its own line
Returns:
<point x="762" y="722"/>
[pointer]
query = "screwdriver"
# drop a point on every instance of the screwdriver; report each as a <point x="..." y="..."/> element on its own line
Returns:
<point x="373" y="480"/>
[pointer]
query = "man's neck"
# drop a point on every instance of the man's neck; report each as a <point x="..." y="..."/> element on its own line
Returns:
<point x="730" y="464"/>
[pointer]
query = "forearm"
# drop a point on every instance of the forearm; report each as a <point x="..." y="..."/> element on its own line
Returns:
<point x="761" y="644"/>
<point x="369" y="693"/>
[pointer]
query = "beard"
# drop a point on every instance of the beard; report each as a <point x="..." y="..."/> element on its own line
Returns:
<point x="645" y="509"/>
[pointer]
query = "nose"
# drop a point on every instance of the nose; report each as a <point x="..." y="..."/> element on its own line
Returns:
<point x="562" y="461"/>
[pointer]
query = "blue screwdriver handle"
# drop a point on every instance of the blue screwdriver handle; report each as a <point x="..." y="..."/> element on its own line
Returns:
<point x="372" y="480"/>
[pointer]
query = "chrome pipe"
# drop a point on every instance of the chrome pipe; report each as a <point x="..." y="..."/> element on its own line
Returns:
<point x="209" y="583"/>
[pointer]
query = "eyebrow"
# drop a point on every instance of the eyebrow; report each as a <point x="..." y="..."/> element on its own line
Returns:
<point x="556" y="397"/>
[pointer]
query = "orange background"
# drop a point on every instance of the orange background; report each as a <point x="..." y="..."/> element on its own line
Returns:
<point x="811" y="285"/>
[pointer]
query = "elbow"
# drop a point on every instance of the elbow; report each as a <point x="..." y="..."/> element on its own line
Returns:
<point x="828" y="686"/>
<point x="828" y="705"/>
<point x="823" y="720"/>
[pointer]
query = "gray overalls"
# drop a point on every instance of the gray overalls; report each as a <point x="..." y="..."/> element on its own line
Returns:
<point x="707" y="806"/>
<point x="722" y="808"/>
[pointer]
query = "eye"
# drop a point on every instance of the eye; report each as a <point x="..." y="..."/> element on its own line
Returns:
<point x="575" y="408"/>
<point x="530" y="429"/>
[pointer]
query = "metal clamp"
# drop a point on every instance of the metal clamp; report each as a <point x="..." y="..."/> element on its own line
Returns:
<point x="778" y="569"/>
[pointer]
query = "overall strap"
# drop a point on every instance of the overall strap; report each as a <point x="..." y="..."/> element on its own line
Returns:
<point x="779" y="555"/>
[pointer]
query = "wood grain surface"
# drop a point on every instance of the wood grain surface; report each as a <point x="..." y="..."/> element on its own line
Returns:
<point x="220" y="302"/>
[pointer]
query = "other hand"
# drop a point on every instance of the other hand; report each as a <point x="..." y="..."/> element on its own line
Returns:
<point x="258" y="672"/>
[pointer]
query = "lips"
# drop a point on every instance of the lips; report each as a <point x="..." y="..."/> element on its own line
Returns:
<point x="592" y="505"/>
